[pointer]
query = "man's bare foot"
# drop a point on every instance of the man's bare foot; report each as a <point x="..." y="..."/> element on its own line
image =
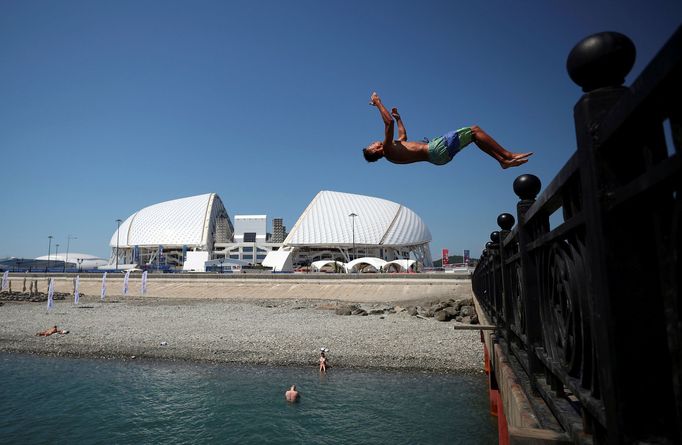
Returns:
<point x="521" y="155"/>
<point x="512" y="163"/>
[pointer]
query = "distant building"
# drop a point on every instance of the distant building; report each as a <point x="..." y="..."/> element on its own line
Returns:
<point x="278" y="230"/>
<point x="67" y="262"/>
<point x="75" y="260"/>
<point x="250" y="228"/>
<point x="250" y="240"/>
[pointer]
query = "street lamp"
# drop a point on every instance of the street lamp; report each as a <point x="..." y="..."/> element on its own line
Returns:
<point x="49" y="249"/>
<point x="56" y="252"/>
<point x="352" y="216"/>
<point x="221" y="264"/>
<point x="118" y="227"/>
<point x="68" y="241"/>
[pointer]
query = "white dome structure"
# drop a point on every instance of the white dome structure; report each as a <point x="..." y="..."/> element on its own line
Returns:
<point x="343" y="226"/>
<point x="327" y="221"/>
<point x="83" y="260"/>
<point x="171" y="228"/>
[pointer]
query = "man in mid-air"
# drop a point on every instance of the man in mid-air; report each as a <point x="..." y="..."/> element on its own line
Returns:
<point x="438" y="151"/>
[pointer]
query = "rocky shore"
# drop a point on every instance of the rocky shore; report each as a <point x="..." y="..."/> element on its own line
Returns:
<point x="269" y="332"/>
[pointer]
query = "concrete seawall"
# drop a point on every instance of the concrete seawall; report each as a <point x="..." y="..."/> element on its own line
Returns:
<point x="324" y="287"/>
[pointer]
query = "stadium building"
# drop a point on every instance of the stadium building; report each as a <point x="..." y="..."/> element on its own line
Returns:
<point x="344" y="228"/>
<point x="189" y="233"/>
<point x="162" y="234"/>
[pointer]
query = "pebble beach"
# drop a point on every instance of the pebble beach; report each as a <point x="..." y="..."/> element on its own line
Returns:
<point x="276" y="332"/>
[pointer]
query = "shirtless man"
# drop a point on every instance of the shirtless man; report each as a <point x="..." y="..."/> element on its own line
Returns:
<point x="50" y="331"/>
<point x="323" y="362"/>
<point x="292" y="394"/>
<point x="440" y="150"/>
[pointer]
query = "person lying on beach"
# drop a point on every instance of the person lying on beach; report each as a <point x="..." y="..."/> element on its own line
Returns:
<point x="323" y="362"/>
<point x="438" y="151"/>
<point x="50" y="331"/>
<point x="292" y="395"/>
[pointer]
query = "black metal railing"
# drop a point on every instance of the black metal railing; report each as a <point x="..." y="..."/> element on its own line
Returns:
<point x="585" y="289"/>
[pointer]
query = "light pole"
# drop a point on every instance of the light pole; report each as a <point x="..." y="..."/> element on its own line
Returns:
<point x="352" y="218"/>
<point x="68" y="241"/>
<point x="49" y="249"/>
<point x="56" y="252"/>
<point x="118" y="227"/>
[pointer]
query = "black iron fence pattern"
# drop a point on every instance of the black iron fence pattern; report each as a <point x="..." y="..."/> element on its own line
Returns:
<point x="585" y="288"/>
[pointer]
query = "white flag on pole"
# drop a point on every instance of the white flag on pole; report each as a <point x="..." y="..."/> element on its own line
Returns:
<point x="5" y="280"/>
<point x="50" y="294"/>
<point x="144" y="282"/>
<point x="104" y="286"/>
<point x="76" y="294"/>
<point x="125" y="282"/>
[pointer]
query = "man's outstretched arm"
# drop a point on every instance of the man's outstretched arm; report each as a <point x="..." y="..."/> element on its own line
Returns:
<point x="388" y="120"/>
<point x="402" y="133"/>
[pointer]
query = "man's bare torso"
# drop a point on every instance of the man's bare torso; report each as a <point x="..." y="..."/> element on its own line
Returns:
<point x="406" y="152"/>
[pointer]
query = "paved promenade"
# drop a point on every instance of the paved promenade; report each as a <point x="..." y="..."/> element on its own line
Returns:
<point x="313" y="286"/>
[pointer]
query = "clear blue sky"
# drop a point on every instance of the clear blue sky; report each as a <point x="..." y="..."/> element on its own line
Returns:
<point x="108" y="107"/>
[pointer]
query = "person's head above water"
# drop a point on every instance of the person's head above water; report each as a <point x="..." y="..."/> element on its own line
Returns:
<point x="292" y="395"/>
<point x="374" y="151"/>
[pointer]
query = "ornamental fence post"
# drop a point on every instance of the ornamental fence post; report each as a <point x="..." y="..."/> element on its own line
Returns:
<point x="494" y="248"/>
<point x="601" y="93"/>
<point x="505" y="221"/>
<point x="527" y="188"/>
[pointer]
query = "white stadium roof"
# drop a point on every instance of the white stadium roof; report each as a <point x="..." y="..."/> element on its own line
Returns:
<point x="326" y="222"/>
<point x="180" y="222"/>
<point x="71" y="255"/>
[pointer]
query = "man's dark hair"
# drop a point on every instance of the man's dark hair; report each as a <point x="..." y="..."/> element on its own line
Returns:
<point x="371" y="157"/>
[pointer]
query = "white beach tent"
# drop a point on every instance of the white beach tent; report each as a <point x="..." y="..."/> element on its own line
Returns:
<point x="328" y="266"/>
<point x="366" y="264"/>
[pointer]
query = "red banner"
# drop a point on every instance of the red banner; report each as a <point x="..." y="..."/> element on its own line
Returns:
<point x="445" y="257"/>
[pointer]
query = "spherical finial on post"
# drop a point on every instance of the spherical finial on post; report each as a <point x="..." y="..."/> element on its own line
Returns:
<point x="506" y="221"/>
<point x="601" y="60"/>
<point x="527" y="186"/>
<point x="495" y="236"/>
<point x="488" y="245"/>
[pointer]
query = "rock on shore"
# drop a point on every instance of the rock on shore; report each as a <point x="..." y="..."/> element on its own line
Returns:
<point x="460" y="310"/>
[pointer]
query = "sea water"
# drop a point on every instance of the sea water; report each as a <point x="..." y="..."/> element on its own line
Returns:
<point x="92" y="401"/>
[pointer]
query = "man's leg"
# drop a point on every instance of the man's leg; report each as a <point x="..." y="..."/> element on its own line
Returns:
<point x="491" y="147"/>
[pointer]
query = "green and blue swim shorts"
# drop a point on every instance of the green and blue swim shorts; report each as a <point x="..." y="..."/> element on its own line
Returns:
<point x="442" y="149"/>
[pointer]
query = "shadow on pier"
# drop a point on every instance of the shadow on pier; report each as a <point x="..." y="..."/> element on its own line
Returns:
<point x="583" y="283"/>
